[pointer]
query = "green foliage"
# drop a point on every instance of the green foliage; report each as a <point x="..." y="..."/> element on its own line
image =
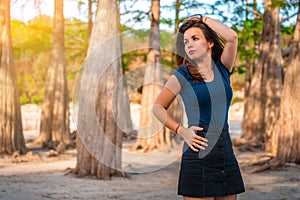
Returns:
<point x="24" y="99"/>
<point x="32" y="46"/>
<point x="32" y="43"/>
<point x="288" y="30"/>
<point x="248" y="35"/>
<point x="283" y="4"/>
<point x="139" y="34"/>
<point x="31" y="38"/>
<point x="128" y="59"/>
<point x="167" y="40"/>
<point x="166" y="21"/>
<point x="76" y="39"/>
<point x="76" y="43"/>
<point x="135" y="38"/>
<point x="167" y="60"/>
<point x="236" y="100"/>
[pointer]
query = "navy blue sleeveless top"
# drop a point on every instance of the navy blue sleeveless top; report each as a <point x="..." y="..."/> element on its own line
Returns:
<point x="206" y="102"/>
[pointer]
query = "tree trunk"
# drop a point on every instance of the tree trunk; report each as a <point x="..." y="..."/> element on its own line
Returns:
<point x="177" y="9"/>
<point x="266" y="85"/>
<point x="250" y="66"/>
<point x="11" y="133"/>
<point x="54" y="128"/>
<point x="273" y="77"/>
<point x="101" y="105"/>
<point x="90" y="17"/>
<point x="250" y="69"/>
<point x="151" y="134"/>
<point x="286" y="143"/>
<point x="248" y="75"/>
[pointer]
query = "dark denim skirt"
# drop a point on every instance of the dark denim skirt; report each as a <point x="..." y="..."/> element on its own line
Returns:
<point x="213" y="172"/>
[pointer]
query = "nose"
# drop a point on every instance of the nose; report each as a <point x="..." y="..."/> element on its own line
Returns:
<point x="189" y="45"/>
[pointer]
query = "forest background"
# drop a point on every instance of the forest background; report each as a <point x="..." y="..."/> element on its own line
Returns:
<point x="32" y="37"/>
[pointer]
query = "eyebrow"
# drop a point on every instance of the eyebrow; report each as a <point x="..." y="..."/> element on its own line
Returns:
<point x="192" y="36"/>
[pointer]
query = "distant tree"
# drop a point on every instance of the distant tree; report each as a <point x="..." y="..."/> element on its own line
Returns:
<point x="99" y="140"/>
<point x="90" y="18"/>
<point x="177" y="5"/>
<point x="54" y="127"/>
<point x="266" y="84"/>
<point x="248" y="52"/>
<point x="151" y="135"/>
<point x="177" y="10"/>
<point x="286" y="141"/>
<point x="90" y="4"/>
<point x="11" y="133"/>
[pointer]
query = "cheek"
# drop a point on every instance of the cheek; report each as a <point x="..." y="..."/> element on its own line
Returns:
<point x="203" y="48"/>
<point x="203" y="44"/>
<point x="186" y="49"/>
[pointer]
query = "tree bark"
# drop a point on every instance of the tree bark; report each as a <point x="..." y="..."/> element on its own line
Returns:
<point x="101" y="106"/>
<point x="11" y="132"/>
<point x="285" y="142"/>
<point x="273" y="78"/>
<point x="266" y="85"/>
<point x="54" y="127"/>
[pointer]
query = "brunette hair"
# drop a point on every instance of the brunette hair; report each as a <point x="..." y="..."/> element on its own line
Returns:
<point x="210" y="35"/>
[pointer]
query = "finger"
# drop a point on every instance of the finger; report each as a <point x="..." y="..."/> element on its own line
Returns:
<point x="199" y="146"/>
<point x="199" y="138"/>
<point x="199" y="128"/>
<point x="193" y="148"/>
<point x="202" y="144"/>
<point x="196" y="128"/>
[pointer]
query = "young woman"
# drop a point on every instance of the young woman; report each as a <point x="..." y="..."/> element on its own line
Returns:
<point x="206" y="51"/>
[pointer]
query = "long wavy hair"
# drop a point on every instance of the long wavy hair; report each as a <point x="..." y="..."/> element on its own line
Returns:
<point x="181" y="57"/>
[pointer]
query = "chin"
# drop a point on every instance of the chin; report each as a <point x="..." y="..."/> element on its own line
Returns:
<point x="197" y="57"/>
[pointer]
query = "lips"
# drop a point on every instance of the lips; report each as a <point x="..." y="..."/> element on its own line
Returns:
<point x="191" y="52"/>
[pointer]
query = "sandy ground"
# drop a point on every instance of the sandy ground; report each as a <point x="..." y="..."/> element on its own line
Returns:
<point x="151" y="176"/>
<point x="45" y="178"/>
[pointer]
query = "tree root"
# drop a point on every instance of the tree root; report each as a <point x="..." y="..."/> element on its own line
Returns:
<point x="68" y="171"/>
<point x="244" y="145"/>
<point x="16" y="157"/>
<point x="118" y="173"/>
<point x="142" y="147"/>
<point x="113" y="173"/>
<point x="265" y="162"/>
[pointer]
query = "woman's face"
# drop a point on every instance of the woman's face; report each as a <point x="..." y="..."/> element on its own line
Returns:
<point x="195" y="44"/>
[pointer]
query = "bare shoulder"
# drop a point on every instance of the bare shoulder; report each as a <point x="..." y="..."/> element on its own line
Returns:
<point x="173" y="84"/>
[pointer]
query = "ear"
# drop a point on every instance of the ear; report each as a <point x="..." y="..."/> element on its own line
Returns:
<point x="210" y="44"/>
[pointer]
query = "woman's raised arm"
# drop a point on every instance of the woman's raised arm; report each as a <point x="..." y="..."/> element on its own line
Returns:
<point x="231" y="41"/>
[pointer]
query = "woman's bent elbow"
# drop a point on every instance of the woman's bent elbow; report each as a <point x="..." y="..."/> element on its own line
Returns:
<point x="156" y="109"/>
<point x="234" y="36"/>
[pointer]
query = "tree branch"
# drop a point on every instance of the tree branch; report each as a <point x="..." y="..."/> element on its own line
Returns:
<point x="253" y="11"/>
<point x="287" y="18"/>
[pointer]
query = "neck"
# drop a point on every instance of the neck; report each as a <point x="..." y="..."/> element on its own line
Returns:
<point x="205" y="68"/>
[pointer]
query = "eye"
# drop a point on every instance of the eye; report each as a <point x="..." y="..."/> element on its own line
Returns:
<point x="185" y="42"/>
<point x="195" y="38"/>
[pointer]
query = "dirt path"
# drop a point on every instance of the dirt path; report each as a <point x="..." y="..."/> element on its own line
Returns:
<point x="45" y="179"/>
